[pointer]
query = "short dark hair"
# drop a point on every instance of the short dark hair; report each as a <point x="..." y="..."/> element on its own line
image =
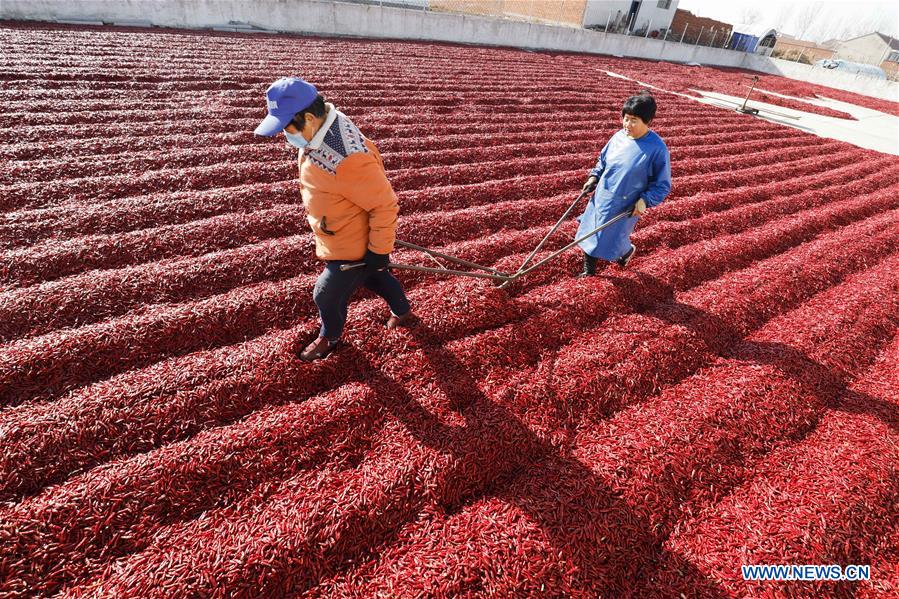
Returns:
<point x="642" y="105"/>
<point x="316" y="109"/>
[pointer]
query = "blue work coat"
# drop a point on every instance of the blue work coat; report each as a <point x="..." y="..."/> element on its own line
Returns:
<point x="627" y="170"/>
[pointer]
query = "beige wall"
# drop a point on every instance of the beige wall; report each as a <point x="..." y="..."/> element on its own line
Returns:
<point x="870" y="49"/>
<point x="791" y="50"/>
<point x="570" y="12"/>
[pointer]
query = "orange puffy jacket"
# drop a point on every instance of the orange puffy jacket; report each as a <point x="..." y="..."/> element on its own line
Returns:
<point x="349" y="202"/>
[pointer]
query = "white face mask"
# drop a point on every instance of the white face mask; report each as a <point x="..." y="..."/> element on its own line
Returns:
<point x="296" y="140"/>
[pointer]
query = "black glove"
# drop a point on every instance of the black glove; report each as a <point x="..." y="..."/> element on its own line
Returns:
<point x="376" y="262"/>
<point x="590" y="185"/>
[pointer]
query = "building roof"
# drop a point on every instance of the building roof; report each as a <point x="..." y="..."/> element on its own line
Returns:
<point x="754" y="30"/>
<point x="792" y="41"/>
<point x="892" y="42"/>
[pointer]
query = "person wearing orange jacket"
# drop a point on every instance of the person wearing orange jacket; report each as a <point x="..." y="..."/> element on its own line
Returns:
<point x="349" y="203"/>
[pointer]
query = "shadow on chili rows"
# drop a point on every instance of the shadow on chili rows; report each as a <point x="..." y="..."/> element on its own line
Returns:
<point x="495" y="442"/>
<point x="604" y="545"/>
<point x="823" y="382"/>
<point x="827" y="384"/>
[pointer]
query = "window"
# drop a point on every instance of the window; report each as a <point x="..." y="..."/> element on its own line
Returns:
<point x="666" y="4"/>
<point x="894" y="57"/>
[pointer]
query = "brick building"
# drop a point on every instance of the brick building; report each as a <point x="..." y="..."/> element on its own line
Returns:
<point x="698" y="30"/>
<point x="791" y="48"/>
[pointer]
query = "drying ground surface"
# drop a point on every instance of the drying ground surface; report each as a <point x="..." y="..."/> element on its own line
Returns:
<point x="729" y="399"/>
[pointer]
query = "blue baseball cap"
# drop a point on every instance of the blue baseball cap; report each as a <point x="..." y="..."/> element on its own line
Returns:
<point x="285" y="97"/>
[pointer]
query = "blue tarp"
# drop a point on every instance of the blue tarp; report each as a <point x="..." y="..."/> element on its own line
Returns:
<point x="743" y="42"/>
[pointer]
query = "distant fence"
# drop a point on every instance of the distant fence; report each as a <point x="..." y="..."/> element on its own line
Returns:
<point x="565" y="12"/>
<point x="554" y="12"/>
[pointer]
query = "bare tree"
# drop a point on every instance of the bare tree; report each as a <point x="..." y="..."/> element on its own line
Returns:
<point x="806" y="15"/>
<point x="818" y="21"/>
<point x="784" y="13"/>
<point x="832" y="29"/>
<point x="861" y="26"/>
<point x="750" y="16"/>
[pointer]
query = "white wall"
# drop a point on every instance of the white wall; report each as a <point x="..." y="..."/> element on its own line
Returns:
<point x="600" y="12"/>
<point x="615" y="12"/>
<point x="653" y="17"/>
<point x="337" y="18"/>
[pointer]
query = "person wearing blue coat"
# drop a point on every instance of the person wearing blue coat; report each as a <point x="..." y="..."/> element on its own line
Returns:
<point x="633" y="173"/>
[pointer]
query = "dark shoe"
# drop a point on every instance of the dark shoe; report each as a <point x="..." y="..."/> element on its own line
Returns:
<point x="406" y="321"/>
<point x="623" y="261"/>
<point x="318" y="349"/>
<point x="589" y="268"/>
